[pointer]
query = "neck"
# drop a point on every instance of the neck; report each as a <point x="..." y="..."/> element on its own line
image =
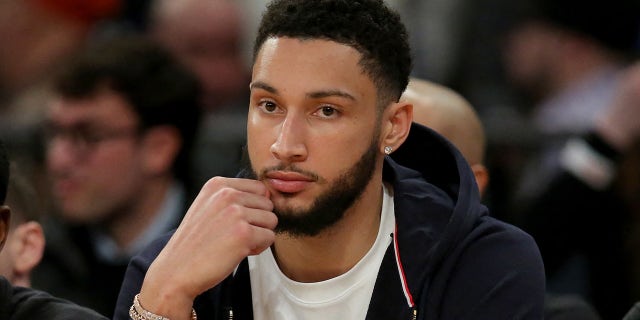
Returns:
<point x="336" y="250"/>
<point x="21" y="281"/>
<point x="127" y="227"/>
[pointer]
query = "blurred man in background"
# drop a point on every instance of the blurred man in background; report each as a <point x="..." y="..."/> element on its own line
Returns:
<point x="119" y="132"/>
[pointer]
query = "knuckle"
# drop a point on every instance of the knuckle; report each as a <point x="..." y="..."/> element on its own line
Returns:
<point x="273" y="220"/>
<point x="262" y="188"/>
<point x="228" y="194"/>
<point x="242" y="232"/>
<point x="234" y="211"/>
<point x="214" y="183"/>
<point x="269" y="205"/>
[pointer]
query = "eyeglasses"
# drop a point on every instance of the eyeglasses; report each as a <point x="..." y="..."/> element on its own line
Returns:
<point x="85" y="138"/>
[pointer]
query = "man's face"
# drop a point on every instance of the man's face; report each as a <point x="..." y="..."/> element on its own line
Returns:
<point x="312" y="130"/>
<point x="93" y="157"/>
<point x="207" y="37"/>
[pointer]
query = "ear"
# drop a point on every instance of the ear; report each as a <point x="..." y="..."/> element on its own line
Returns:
<point x="160" y="149"/>
<point x="482" y="177"/>
<point x="396" y="122"/>
<point x="5" y="215"/>
<point x="29" y="248"/>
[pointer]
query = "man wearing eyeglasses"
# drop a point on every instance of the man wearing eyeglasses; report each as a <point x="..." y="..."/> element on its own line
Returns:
<point x="117" y="140"/>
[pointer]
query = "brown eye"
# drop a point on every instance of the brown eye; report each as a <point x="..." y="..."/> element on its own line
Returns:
<point x="269" y="106"/>
<point x="328" y="111"/>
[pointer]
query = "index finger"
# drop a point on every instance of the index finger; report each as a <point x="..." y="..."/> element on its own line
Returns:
<point x="240" y="184"/>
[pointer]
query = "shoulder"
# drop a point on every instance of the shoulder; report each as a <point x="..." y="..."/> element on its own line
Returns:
<point x="28" y="303"/>
<point x="496" y="254"/>
<point x="495" y="271"/>
<point x="498" y="238"/>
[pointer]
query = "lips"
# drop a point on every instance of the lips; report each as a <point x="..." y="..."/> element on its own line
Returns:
<point x="64" y="187"/>
<point x="287" y="182"/>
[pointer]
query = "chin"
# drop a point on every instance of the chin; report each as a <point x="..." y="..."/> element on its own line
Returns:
<point x="76" y="215"/>
<point x="288" y="203"/>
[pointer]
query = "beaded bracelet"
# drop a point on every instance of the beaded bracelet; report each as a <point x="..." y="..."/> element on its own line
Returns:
<point x="137" y="312"/>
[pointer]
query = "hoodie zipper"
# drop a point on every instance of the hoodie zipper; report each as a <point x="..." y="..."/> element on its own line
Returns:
<point x="415" y="314"/>
<point x="229" y="313"/>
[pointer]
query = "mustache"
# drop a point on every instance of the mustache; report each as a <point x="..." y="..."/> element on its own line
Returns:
<point x="249" y="173"/>
<point x="288" y="168"/>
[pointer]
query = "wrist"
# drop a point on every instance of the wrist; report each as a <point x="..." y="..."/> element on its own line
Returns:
<point x="163" y="297"/>
<point x="138" y="312"/>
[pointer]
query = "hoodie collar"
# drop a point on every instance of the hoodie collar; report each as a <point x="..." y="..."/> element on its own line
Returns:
<point x="436" y="203"/>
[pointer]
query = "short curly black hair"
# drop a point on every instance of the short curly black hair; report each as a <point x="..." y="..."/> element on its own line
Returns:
<point x="368" y="26"/>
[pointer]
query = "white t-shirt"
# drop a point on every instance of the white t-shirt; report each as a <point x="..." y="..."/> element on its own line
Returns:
<point x="276" y="297"/>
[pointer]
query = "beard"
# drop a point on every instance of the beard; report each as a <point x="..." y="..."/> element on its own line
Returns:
<point x="330" y="206"/>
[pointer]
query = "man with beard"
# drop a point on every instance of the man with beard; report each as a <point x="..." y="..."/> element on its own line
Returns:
<point x="331" y="227"/>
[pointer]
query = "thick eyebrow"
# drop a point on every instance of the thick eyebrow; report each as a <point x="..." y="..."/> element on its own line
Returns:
<point x="330" y="93"/>
<point x="312" y="95"/>
<point x="263" y="86"/>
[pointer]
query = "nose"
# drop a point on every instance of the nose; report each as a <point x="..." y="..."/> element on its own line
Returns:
<point x="61" y="154"/>
<point x="290" y="144"/>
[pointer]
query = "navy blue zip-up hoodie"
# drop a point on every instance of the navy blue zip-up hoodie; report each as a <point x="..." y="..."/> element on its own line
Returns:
<point x="448" y="259"/>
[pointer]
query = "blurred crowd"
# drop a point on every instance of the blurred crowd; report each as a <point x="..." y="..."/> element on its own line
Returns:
<point x="115" y="112"/>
